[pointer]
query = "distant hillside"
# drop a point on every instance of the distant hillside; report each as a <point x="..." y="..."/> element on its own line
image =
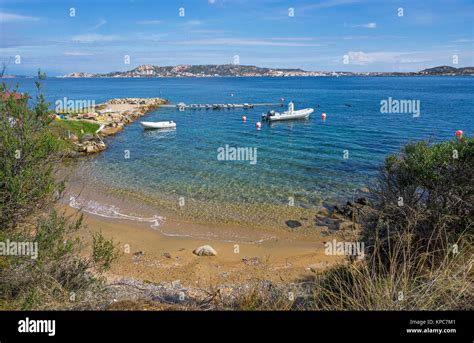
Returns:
<point x="213" y="70"/>
<point x="447" y="70"/>
<point x="148" y="70"/>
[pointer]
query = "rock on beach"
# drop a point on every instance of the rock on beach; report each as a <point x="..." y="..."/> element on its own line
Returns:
<point x="205" y="250"/>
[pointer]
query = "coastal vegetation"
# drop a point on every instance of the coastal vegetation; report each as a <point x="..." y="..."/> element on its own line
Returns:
<point x="78" y="128"/>
<point x="418" y="237"/>
<point x="52" y="273"/>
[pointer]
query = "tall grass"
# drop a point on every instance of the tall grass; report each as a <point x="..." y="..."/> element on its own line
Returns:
<point x="408" y="281"/>
<point x="418" y="239"/>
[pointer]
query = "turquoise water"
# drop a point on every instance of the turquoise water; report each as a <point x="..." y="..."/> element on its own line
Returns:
<point x="299" y="159"/>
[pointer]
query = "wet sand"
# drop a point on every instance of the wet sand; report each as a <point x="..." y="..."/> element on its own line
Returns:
<point x="157" y="245"/>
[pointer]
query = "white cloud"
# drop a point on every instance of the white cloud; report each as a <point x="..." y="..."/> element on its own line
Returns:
<point x="206" y="32"/>
<point x="77" y="53"/>
<point x="241" y="41"/>
<point x="93" y="37"/>
<point x="192" y="23"/>
<point x="150" y="22"/>
<point x="426" y="18"/>
<point x="11" y="17"/>
<point x="366" y="26"/>
<point x="101" y="22"/>
<point x="369" y="25"/>
<point x="293" y="38"/>
<point x="362" y="58"/>
<point x="329" y="4"/>
<point x="384" y="37"/>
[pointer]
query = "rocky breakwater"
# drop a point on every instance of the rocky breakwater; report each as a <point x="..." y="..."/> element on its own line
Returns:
<point x="113" y="116"/>
<point x="88" y="144"/>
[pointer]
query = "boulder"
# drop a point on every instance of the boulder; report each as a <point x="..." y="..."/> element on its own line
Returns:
<point x="86" y="137"/>
<point x="362" y="201"/>
<point x="90" y="149"/>
<point x="293" y="223"/>
<point x="93" y="147"/>
<point x="323" y="211"/>
<point x="111" y="130"/>
<point x="73" y="138"/>
<point x="101" y="146"/>
<point x="205" y="250"/>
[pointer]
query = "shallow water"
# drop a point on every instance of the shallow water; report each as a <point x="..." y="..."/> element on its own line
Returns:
<point x="300" y="160"/>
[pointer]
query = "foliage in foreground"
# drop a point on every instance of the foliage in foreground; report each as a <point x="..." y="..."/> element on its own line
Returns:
<point x="426" y="197"/>
<point x="58" y="276"/>
<point x="418" y="238"/>
<point x="27" y="156"/>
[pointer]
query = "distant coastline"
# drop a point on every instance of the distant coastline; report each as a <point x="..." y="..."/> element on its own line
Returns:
<point x="232" y="70"/>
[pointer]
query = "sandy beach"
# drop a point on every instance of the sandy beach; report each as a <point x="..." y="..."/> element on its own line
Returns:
<point x="164" y="252"/>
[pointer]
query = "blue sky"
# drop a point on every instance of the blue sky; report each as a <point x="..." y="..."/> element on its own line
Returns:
<point x="370" y="33"/>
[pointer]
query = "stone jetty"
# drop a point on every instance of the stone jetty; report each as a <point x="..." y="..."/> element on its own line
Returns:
<point x="113" y="116"/>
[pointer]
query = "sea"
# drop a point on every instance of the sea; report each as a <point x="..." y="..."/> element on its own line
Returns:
<point x="306" y="163"/>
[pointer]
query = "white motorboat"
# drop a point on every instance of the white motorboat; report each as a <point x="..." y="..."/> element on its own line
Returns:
<point x="288" y="115"/>
<point x="158" y="124"/>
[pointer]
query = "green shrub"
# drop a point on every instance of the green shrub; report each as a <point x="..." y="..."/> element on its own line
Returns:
<point x="104" y="252"/>
<point x="60" y="277"/>
<point x="425" y="196"/>
<point x="27" y="157"/>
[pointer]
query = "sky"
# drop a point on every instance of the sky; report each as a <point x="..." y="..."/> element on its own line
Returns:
<point x="101" y="36"/>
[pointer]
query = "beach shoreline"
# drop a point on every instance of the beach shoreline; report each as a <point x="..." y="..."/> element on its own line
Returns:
<point x="157" y="245"/>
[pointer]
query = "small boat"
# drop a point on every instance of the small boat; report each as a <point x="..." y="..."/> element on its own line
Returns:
<point x="158" y="124"/>
<point x="288" y="115"/>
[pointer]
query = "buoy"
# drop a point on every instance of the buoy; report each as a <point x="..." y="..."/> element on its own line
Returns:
<point x="323" y="115"/>
<point x="258" y="125"/>
<point x="459" y="133"/>
<point x="244" y="118"/>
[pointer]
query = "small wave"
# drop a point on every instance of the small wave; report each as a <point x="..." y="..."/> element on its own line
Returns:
<point x="111" y="211"/>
